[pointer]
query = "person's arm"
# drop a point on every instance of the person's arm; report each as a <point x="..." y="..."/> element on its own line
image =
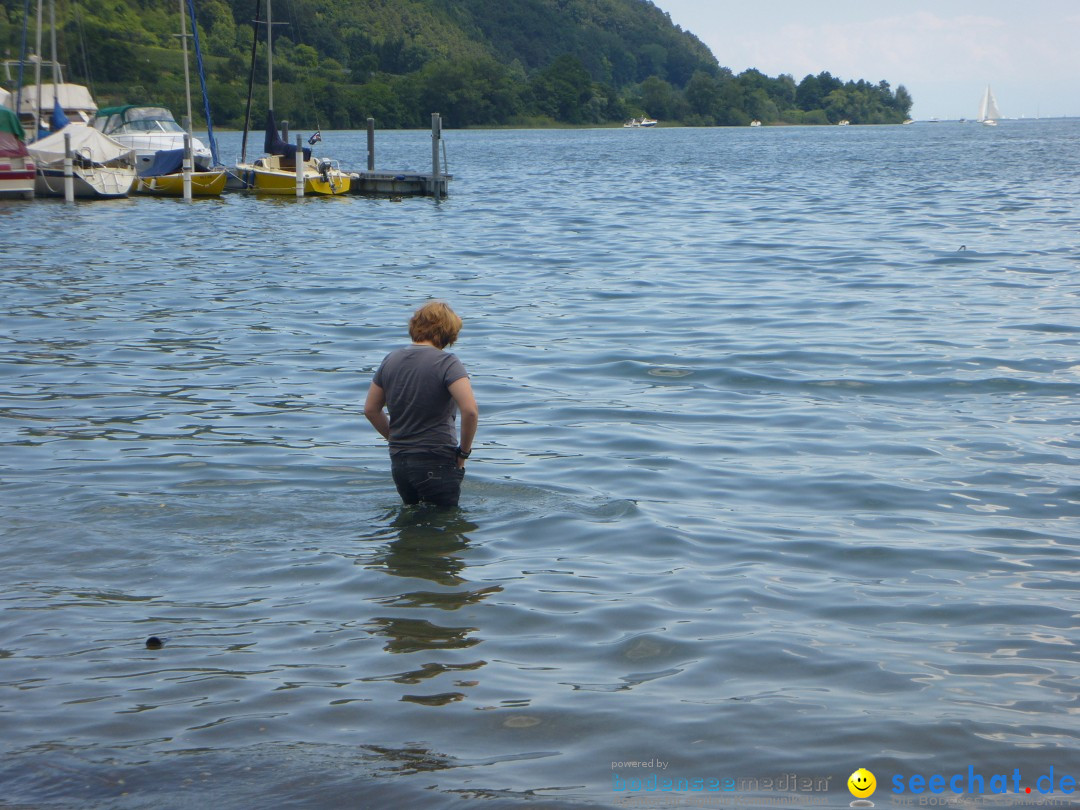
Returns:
<point x="461" y="391"/>
<point x="373" y="410"/>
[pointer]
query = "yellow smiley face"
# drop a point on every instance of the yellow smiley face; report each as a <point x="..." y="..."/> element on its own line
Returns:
<point x="862" y="783"/>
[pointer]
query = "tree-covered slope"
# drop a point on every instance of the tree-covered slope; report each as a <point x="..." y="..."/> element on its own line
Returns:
<point x="479" y="62"/>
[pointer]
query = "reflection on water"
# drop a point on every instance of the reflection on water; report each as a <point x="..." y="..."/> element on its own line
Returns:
<point x="426" y="543"/>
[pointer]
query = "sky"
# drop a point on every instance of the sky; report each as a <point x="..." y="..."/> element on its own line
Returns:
<point x="945" y="52"/>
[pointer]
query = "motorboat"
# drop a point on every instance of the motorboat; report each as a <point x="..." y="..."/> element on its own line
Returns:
<point x="148" y="130"/>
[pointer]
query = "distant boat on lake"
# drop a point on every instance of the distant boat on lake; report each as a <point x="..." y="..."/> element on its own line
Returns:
<point x="988" y="109"/>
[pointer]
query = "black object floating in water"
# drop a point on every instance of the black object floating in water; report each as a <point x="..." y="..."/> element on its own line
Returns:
<point x="154" y="643"/>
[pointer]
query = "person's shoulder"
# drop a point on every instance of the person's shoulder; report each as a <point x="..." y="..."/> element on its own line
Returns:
<point x="398" y="352"/>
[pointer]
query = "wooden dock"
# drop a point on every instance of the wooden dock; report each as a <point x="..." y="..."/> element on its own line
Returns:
<point x="376" y="183"/>
<point x="400" y="184"/>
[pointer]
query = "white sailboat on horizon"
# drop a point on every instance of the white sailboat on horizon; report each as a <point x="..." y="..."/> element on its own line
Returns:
<point x="988" y="109"/>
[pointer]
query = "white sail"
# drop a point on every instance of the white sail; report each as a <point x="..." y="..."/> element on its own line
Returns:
<point x="988" y="109"/>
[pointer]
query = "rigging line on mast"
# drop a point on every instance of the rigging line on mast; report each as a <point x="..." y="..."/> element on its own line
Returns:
<point x="202" y="84"/>
<point x="251" y="80"/>
<point x="87" y="72"/>
<point x="22" y="58"/>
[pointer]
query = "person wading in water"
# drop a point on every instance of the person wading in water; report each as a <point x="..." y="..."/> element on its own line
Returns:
<point x="424" y="387"/>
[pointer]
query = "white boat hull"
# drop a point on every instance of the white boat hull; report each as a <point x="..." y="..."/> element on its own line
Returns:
<point x="97" y="183"/>
<point x="17" y="178"/>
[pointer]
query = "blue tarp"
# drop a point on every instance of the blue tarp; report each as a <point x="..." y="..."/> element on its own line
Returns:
<point x="166" y="161"/>
<point x="273" y="143"/>
<point x="59" y="120"/>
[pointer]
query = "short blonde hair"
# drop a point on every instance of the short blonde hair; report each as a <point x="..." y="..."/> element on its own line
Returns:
<point x="435" y="322"/>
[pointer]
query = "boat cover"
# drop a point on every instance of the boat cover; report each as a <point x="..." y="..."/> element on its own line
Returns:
<point x="11" y="135"/>
<point x="9" y="123"/>
<point x="70" y="96"/>
<point x="87" y="141"/>
<point x="274" y="144"/>
<point x="166" y="161"/>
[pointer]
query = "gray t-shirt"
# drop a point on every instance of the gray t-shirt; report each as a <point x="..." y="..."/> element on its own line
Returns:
<point x="416" y="381"/>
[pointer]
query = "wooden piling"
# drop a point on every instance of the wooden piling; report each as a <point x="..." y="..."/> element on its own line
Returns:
<point x="436" y="170"/>
<point x="188" y="161"/>
<point x="69" y="169"/>
<point x="299" y="166"/>
<point x="371" y="144"/>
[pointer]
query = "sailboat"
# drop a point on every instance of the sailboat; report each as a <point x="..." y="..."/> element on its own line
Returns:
<point x="988" y="109"/>
<point x="163" y="176"/>
<point x="101" y="167"/>
<point x="276" y="172"/>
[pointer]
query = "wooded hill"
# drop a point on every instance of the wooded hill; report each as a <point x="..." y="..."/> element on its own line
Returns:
<point x="478" y="62"/>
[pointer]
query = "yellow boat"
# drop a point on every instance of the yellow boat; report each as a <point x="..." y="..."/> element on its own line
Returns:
<point x="274" y="174"/>
<point x="203" y="184"/>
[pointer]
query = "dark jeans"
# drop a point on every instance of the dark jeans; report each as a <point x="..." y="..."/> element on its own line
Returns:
<point x="422" y="478"/>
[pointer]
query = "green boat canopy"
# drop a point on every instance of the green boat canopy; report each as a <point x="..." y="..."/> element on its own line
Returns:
<point x="9" y="123"/>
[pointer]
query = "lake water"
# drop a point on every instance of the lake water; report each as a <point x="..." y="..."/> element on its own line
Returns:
<point x="776" y="478"/>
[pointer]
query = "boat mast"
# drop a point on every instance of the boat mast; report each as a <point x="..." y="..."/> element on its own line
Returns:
<point x="57" y="79"/>
<point x="22" y="59"/>
<point x="187" y="73"/>
<point x="269" y="57"/>
<point x="202" y="85"/>
<point x="251" y="84"/>
<point x="37" y="74"/>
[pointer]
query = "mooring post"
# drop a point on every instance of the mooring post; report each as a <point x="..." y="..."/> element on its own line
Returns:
<point x="299" y="166"/>
<point x="371" y="144"/>
<point x="285" y="131"/>
<point x="69" y="171"/>
<point x="436" y="171"/>
<point x="188" y="161"/>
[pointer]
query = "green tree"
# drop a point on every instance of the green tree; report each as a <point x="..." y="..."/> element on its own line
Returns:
<point x="468" y="92"/>
<point x="902" y="101"/>
<point x="702" y="93"/>
<point x="808" y="95"/>
<point x="562" y="90"/>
